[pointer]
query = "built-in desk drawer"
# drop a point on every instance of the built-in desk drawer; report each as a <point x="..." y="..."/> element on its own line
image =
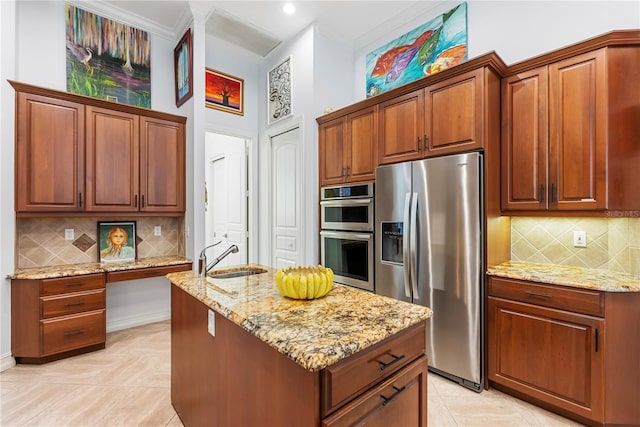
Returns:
<point x="72" y="284"/>
<point x="72" y="332"/>
<point x="345" y="380"/>
<point x="554" y="296"/>
<point x="65" y="304"/>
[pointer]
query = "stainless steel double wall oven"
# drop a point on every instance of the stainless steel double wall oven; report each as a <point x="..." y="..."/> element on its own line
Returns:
<point x="346" y="238"/>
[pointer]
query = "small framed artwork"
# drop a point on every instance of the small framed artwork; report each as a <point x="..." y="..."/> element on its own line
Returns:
<point x="183" y="65"/>
<point x="224" y="92"/>
<point x="116" y="241"/>
<point x="279" y="88"/>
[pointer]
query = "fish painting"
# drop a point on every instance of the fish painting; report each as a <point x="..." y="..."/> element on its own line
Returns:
<point x="414" y="54"/>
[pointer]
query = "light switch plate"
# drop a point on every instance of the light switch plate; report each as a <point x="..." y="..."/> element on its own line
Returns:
<point x="157" y="230"/>
<point x="211" y="324"/>
<point x="580" y="239"/>
<point x="69" y="234"/>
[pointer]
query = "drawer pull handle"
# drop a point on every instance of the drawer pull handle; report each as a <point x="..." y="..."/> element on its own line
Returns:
<point x="74" y="304"/>
<point x="72" y="333"/>
<point x="539" y="295"/>
<point x="384" y="366"/>
<point x="387" y="400"/>
<point x="70" y="285"/>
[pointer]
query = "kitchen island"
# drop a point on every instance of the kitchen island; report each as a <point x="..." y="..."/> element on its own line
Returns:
<point x="242" y="354"/>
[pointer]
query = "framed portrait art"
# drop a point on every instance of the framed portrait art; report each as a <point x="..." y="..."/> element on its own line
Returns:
<point x="183" y="65"/>
<point x="279" y="91"/>
<point x="116" y="241"/>
<point x="224" y="92"/>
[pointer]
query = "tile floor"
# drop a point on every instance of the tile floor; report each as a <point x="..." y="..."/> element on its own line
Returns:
<point x="128" y="384"/>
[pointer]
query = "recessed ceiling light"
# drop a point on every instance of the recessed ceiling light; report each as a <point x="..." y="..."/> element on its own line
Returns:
<point x="289" y="8"/>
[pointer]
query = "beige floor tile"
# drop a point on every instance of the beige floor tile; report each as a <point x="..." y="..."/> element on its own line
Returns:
<point x="128" y="384"/>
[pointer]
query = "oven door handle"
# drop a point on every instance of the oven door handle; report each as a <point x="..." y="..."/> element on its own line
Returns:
<point x="347" y="235"/>
<point x="406" y="259"/>
<point x="348" y="202"/>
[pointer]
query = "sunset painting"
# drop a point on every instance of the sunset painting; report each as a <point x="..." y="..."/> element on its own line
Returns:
<point x="224" y="92"/>
<point x="434" y="46"/>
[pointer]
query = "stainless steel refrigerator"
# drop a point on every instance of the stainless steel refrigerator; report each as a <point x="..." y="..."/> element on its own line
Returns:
<point x="429" y="251"/>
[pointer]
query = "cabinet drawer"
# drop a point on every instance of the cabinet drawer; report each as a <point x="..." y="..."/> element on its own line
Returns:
<point x="401" y="400"/>
<point x="144" y="273"/>
<point x="72" y="284"/>
<point x="72" y="332"/>
<point x="62" y="305"/>
<point x="344" y="380"/>
<point x="570" y="299"/>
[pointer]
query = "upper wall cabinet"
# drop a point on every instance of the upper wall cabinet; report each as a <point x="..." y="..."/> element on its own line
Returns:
<point x="444" y="118"/>
<point x="49" y="160"/>
<point x="348" y="147"/>
<point x="570" y="131"/>
<point x="82" y="155"/>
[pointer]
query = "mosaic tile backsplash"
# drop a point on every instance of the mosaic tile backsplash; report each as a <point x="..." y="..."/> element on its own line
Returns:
<point x="41" y="241"/>
<point x="612" y="243"/>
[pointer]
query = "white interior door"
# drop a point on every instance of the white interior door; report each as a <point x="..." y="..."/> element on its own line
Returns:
<point x="227" y="201"/>
<point x="286" y="185"/>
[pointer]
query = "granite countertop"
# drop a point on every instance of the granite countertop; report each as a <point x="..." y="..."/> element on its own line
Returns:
<point x="585" y="278"/>
<point x="95" y="267"/>
<point x="315" y="333"/>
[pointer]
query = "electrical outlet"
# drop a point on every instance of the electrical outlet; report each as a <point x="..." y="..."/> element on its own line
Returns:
<point x="211" y="324"/>
<point x="69" y="234"/>
<point x="580" y="239"/>
<point x="157" y="230"/>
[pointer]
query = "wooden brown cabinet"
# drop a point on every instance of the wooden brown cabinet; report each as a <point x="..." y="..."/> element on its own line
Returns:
<point x="55" y="318"/>
<point x="211" y="372"/>
<point x="348" y="148"/>
<point x="49" y="175"/>
<point x="134" y="158"/>
<point x="566" y="132"/>
<point x="449" y="116"/>
<point x="566" y="349"/>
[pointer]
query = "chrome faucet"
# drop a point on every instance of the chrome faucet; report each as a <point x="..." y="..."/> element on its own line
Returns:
<point x="203" y="268"/>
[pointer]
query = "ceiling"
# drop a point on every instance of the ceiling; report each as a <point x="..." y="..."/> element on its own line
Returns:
<point x="260" y="25"/>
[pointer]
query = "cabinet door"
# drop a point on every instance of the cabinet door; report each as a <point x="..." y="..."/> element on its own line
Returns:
<point x="162" y="166"/>
<point x="454" y="114"/>
<point x="362" y="132"/>
<point x="331" y="145"/>
<point x="551" y="355"/>
<point x="399" y="401"/>
<point x="49" y="155"/>
<point x="524" y="156"/>
<point x="577" y="132"/>
<point x="112" y="161"/>
<point x="401" y="128"/>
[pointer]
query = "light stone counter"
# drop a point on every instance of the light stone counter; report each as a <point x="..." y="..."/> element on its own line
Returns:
<point x="315" y="333"/>
<point x="95" y="267"/>
<point x="599" y="280"/>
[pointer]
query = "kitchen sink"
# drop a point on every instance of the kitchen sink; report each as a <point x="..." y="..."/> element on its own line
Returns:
<point x="242" y="272"/>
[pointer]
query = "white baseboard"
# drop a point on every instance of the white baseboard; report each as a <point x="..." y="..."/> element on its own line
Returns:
<point x="7" y="361"/>
<point x="139" y="320"/>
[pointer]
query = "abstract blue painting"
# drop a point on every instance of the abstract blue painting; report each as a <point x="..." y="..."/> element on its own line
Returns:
<point x="432" y="47"/>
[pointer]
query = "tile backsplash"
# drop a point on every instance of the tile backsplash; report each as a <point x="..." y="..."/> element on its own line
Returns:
<point x="41" y="241"/>
<point x="612" y="243"/>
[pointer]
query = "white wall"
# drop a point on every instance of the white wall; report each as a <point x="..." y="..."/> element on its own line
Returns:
<point x="519" y="30"/>
<point x="39" y="47"/>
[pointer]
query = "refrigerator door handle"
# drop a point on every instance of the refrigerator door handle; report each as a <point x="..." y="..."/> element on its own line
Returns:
<point x="413" y="263"/>
<point x="405" y="244"/>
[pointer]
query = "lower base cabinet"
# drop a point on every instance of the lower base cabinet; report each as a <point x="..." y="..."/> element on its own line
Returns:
<point x="570" y="350"/>
<point x="231" y="378"/>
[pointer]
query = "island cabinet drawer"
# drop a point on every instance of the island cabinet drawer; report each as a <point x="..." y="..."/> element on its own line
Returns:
<point x="65" y="304"/>
<point x="72" y="284"/>
<point x="400" y="400"/>
<point x="554" y="296"/>
<point x="345" y="380"/>
<point x="71" y="332"/>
